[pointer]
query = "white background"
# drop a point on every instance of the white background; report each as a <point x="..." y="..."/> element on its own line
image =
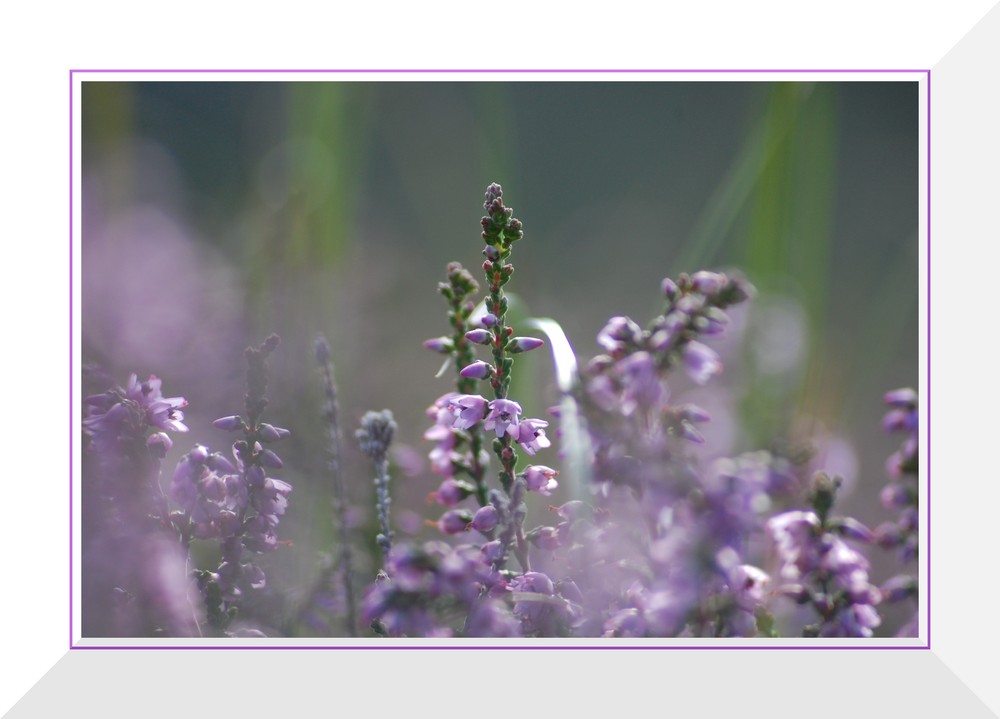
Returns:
<point x="41" y="47"/>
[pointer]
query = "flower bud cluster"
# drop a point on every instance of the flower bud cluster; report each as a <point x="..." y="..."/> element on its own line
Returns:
<point x="422" y="584"/>
<point x="235" y="503"/>
<point x="629" y="376"/>
<point x="375" y="435"/>
<point x="823" y="570"/>
<point x="901" y="495"/>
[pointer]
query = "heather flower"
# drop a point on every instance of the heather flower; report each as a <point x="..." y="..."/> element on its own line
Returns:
<point x="541" y="479"/>
<point x="451" y="492"/>
<point x="503" y="417"/>
<point x="619" y="334"/>
<point x="479" y="336"/>
<point x="477" y="370"/>
<point x="468" y="410"/>
<point x="531" y="435"/>
<point x="748" y="585"/>
<point x="454" y="521"/>
<point x="162" y="412"/>
<point x="524" y="344"/>
<point x="819" y="562"/>
<point x="486" y="518"/>
<point x="441" y="345"/>
<point x="641" y="382"/>
<point x="375" y="435"/>
<point x="701" y="362"/>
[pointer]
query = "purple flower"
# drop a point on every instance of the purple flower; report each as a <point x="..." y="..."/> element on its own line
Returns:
<point x="524" y="344"/>
<point x="468" y="410"/>
<point x="230" y="424"/>
<point x="486" y="518"/>
<point x="708" y="283"/>
<point x="531" y="436"/>
<point x="162" y="412"/>
<point x="642" y="383"/>
<point x="540" y="478"/>
<point x="442" y="345"/>
<point x="503" y="417"/>
<point x="748" y="584"/>
<point x="450" y="492"/>
<point x="701" y="362"/>
<point x="479" y="336"/>
<point x="272" y="498"/>
<point x="270" y="433"/>
<point x="618" y="334"/>
<point x="477" y="370"/>
<point x="454" y="521"/>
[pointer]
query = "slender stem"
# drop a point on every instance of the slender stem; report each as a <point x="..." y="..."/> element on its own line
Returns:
<point x="331" y="415"/>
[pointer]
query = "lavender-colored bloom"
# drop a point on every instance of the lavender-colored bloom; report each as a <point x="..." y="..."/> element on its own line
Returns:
<point x="541" y="479"/>
<point x="454" y="521"/>
<point x="468" y="410"/>
<point x="442" y="345"/>
<point x="503" y="417"/>
<point x="269" y="459"/>
<point x="524" y="344"/>
<point x="270" y="433"/>
<point x="450" y="492"/>
<point x="708" y="283"/>
<point x="272" y="498"/>
<point x="477" y="370"/>
<point x="479" y="336"/>
<point x="641" y="381"/>
<point x="748" y="584"/>
<point x="162" y="412"/>
<point x="618" y="334"/>
<point x="159" y="443"/>
<point x="531" y="436"/>
<point x="485" y="519"/>
<point x="701" y="362"/>
<point x="793" y="532"/>
<point x="230" y="423"/>
<point x="545" y="538"/>
<point x="905" y="398"/>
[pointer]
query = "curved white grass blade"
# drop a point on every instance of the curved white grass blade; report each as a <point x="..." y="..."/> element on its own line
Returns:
<point x="575" y="439"/>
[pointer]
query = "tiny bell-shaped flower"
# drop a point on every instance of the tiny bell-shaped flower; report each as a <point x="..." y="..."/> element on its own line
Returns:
<point x="270" y="433"/>
<point x="477" y="370"/>
<point x="541" y="479"/>
<point x="479" y="336"/>
<point x="524" y="344"/>
<point x="442" y="345"/>
<point x="454" y="521"/>
<point x="229" y="424"/>
<point x="486" y="518"/>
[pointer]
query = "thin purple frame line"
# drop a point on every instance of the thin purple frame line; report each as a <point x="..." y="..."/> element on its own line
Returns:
<point x="494" y="70"/>
<point x="571" y="71"/>
<point x="927" y="450"/>
<point x="72" y="423"/>
<point x="503" y="647"/>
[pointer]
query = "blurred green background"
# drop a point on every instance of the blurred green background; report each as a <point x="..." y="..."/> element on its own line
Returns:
<point x="215" y="213"/>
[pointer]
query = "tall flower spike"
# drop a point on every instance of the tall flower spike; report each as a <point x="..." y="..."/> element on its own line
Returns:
<point x="334" y="450"/>
<point x="375" y="435"/>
